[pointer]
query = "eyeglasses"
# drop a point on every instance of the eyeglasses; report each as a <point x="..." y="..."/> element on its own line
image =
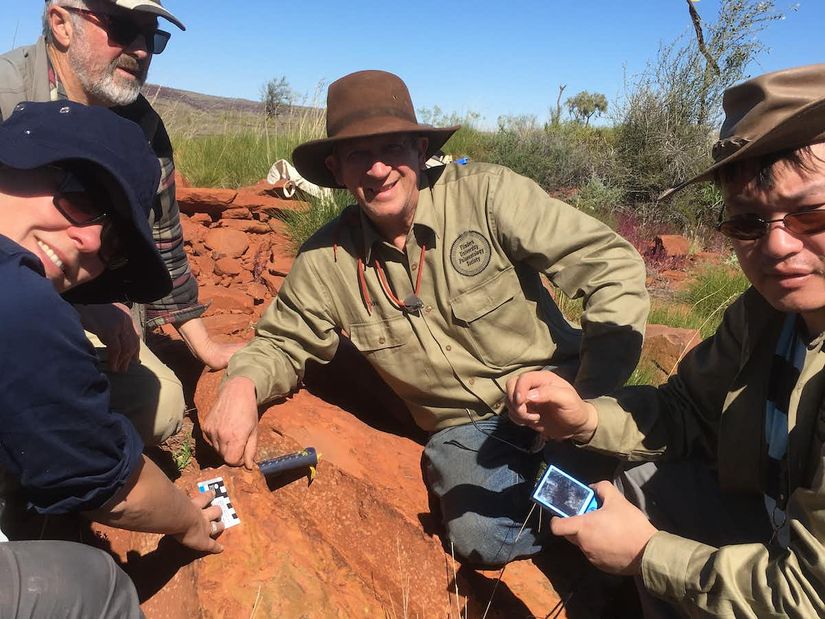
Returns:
<point x="750" y="227"/>
<point x="81" y="208"/>
<point x="123" y="31"/>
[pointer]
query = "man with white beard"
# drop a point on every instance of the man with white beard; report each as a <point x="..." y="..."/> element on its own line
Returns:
<point x="98" y="52"/>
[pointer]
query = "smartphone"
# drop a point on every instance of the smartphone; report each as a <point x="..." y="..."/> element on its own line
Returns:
<point x="562" y="494"/>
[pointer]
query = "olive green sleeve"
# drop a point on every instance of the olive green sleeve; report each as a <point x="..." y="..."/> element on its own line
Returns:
<point x="296" y="327"/>
<point x="585" y="259"/>
<point x="681" y="417"/>
<point x="746" y="580"/>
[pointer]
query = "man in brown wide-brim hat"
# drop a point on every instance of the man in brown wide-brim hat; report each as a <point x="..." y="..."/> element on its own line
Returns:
<point x="435" y="276"/>
<point x="740" y="503"/>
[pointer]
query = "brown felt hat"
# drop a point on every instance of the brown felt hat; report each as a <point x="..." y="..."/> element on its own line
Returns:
<point x="777" y="111"/>
<point x="361" y="105"/>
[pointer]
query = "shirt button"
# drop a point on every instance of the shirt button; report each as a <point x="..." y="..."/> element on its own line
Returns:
<point x="380" y="340"/>
<point x="499" y="404"/>
<point x="428" y="309"/>
<point x="414" y="266"/>
<point x="471" y="381"/>
<point x="448" y="348"/>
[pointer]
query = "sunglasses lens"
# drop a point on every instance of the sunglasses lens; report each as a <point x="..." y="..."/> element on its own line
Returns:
<point x="110" y="247"/>
<point x="121" y="31"/>
<point x="806" y="222"/>
<point x="746" y="228"/>
<point x="79" y="208"/>
<point x="156" y="41"/>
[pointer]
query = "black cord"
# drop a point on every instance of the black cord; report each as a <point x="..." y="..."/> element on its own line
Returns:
<point x="493" y="436"/>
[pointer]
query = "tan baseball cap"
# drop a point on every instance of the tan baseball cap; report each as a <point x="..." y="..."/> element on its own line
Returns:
<point x="149" y="6"/>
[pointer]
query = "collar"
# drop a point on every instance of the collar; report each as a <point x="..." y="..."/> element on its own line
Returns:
<point x="424" y="218"/>
<point x="369" y="235"/>
<point x="56" y="90"/>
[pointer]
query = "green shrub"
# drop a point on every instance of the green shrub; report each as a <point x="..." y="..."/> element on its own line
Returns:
<point x="302" y="224"/>
<point x="472" y="143"/>
<point x="599" y="198"/>
<point x="557" y="157"/>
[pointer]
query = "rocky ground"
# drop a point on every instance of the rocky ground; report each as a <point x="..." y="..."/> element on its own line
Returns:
<point x="358" y="541"/>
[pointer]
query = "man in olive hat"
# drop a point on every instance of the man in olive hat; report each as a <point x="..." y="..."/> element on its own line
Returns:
<point x="436" y="277"/>
<point x="732" y="518"/>
<point x="98" y="52"/>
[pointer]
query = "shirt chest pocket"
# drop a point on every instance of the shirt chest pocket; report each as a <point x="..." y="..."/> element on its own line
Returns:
<point x="496" y="319"/>
<point x="382" y="341"/>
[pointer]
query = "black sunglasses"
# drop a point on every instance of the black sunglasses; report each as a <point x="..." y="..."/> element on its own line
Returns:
<point x="750" y="227"/>
<point x="81" y="208"/>
<point x="123" y="31"/>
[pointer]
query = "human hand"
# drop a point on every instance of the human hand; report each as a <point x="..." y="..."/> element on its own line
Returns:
<point x="112" y="324"/>
<point x="613" y="537"/>
<point x="231" y="426"/>
<point x="550" y="405"/>
<point x="215" y="355"/>
<point x="205" y="526"/>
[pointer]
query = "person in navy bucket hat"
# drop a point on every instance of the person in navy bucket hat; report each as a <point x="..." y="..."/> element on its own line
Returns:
<point x="99" y="52"/>
<point x="109" y="155"/>
<point x="76" y="186"/>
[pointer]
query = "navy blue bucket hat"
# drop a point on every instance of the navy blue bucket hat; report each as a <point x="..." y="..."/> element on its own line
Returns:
<point x="111" y="156"/>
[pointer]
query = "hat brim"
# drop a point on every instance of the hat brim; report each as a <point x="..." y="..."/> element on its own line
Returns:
<point x="309" y="158"/>
<point x="145" y="277"/>
<point x="796" y="131"/>
<point x="150" y="7"/>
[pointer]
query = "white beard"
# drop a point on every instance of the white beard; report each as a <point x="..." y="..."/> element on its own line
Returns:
<point x="102" y="83"/>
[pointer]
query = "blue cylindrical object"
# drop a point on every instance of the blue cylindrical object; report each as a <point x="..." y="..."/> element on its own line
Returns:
<point x="276" y="466"/>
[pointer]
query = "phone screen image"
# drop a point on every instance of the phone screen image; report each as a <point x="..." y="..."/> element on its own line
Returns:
<point x="563" y="494"/>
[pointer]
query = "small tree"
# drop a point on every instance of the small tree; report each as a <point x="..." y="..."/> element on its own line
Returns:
<point x="555" y="114"/>
<point x="671" y="112"/>
<point x="587" y="104"/>
<point x="277" y="96"/>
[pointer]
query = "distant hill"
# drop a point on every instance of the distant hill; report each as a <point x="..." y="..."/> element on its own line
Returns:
<point x="164" y="97"/>
<point x="193" y="113"/>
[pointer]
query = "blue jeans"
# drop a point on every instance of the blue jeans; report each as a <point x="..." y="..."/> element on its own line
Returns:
<point x="483" y="485"/>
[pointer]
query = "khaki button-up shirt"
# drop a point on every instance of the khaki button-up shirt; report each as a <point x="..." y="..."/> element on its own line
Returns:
<point x="714" y="408"/>
<point x="488" y="234"/>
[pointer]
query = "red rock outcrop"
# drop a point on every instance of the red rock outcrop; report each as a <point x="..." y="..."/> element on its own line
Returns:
<point x="665" y="346"/>
<point x="360" y="539"/>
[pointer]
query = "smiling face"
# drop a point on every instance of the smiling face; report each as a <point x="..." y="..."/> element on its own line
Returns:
<point x="382" y="174"/>
<point x="787" y="268"/>
<point x="110" y="74"/>
<point x="29" y="217"/>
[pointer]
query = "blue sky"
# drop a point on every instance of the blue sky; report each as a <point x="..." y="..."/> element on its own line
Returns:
<point x="488" y="57"/>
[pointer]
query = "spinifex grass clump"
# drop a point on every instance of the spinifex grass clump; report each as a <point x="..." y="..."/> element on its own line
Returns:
<point x="238" y="149"/>
<point x="302" y="224"/>
<point x="712" y="290"/>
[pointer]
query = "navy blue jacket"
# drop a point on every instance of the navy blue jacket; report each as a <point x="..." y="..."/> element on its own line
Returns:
<point x="57" y="434"/>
